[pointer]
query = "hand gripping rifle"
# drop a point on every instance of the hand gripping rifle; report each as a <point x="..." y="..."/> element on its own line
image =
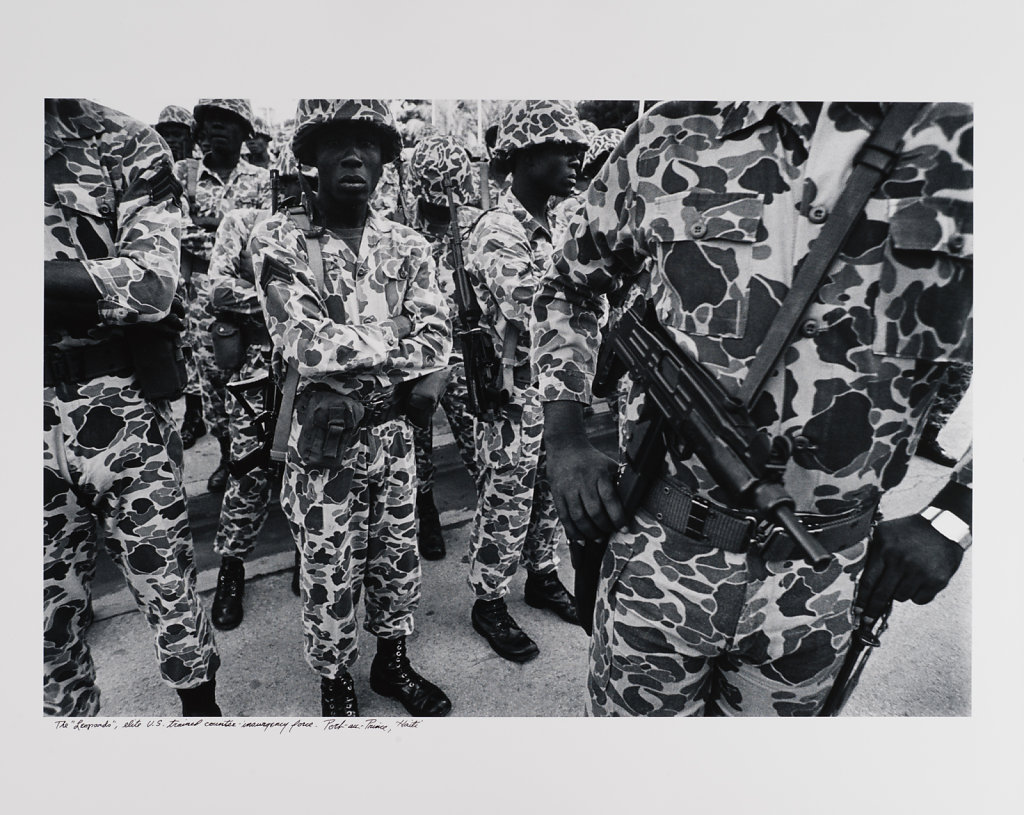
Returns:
<point x="483" y="369"/>
<point x="264" y="419"/>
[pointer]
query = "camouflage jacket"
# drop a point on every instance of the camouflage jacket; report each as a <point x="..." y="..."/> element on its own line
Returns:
<point x="232" y="282"/>
<point x="507" y="254"/>
<point x="393" y="275"/>
<point x="247" y="186"/>
<point x="440" y="248"/>
<point x="97" y="209"/>
<point x="724" y="200"/>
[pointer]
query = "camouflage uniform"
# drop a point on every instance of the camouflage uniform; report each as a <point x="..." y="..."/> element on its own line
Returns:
<point x="243" y="509"/>
<point x="113" y="460"/>
<point x="433" y="157"/>
<point x="355" y="525"/>
<point x="724" y="200"/>
<point x="247" y="186"/>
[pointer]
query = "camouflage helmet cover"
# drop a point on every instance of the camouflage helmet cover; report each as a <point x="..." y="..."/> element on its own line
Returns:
<point x="175" y="115"/>
<point x="434" y="158"/>
<point x="589" y="129"/>
<point x="240" y="107"/>
<point x="604" y="142"/>
<point x="259" y="128"/>
<point x="530" y="122"/>
<point x="312" y="115"/>
<point x="285" y="163"/>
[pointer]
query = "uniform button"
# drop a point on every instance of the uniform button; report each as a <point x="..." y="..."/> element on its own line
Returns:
<point x="660" y="517"/>
<point x="818" y="215"/>
<point x="104" y="208"/>
<point x="698" y="230"/>
<point x="809" y="328"/>
<point x="956" y="243"/>
<point x="403" y="275"/>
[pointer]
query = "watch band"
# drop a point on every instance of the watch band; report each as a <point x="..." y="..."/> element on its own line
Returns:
<point x="947" y="524"/>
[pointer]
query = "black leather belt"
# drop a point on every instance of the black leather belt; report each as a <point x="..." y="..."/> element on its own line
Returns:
<point x="65" y="366"/>
<point x="688" y="518"/>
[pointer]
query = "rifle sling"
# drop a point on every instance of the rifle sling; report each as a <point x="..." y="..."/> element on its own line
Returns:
<point x="291" y="377"/>
<point x="872" y="164"/>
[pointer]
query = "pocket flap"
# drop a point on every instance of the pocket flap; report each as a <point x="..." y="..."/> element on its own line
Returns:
<point x="96" y="202"/>
<point x="932" y="225"/>
<point x="704" y="215"/>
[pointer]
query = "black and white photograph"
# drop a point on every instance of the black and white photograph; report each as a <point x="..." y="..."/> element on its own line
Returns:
<point x="472" y="424"/>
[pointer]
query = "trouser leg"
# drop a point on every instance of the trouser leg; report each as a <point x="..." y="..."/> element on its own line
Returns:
<point x="455" y="402"/>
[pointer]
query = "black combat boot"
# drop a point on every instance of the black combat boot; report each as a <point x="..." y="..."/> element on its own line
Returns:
<point x="219" y="479"/>
<point x="193" y="427"/>
<point x="391" y="675"/>
<point x="338" y="697"/>
<point x="929" y="448"/>
<point x="200" y="700"/>
<point x="227" y="601"/>
<point x="295" y="573"/>
<point x="493" y="622"/>
<point x="547" y="591"/>
<point x="431" y="541"/>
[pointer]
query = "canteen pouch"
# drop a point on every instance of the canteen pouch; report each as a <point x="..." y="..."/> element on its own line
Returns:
<point x="328" y="423"/>
<point x="228" y="345"/>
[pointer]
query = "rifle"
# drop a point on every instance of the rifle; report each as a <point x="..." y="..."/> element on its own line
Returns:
<point x="865" y="638"/>
<point x="264" y="419"/>
<point x="690" y="413"/>
<point x="483" y="368"/>
<point x="275" y="190"/>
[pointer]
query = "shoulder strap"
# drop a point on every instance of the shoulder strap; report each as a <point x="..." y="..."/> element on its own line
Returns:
<point x="300" y="218"/>
<point x="872" y="164"/>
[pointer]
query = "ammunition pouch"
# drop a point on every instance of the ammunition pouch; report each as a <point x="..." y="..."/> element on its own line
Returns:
<point x="423" y="396"/>
<point x="329" y="423"/>
<point x="232" y="336"/>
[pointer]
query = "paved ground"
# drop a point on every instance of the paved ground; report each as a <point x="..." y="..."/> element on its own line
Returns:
<point x="923" y="668"/>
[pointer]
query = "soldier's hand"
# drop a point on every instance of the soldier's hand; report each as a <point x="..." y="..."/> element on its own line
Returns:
<point x="402" y="326"/>
<point x="908" y="560"/>
<point x="582" y="477"/>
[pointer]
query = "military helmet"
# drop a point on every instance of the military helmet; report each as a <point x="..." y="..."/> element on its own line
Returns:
<point x="259" y="128"/>
<point x="435" y="158"/>
<point x="589" y="129"/>
<point x="604" y="142"/>
<point x="285" y="163"/>
<point x="312" y="115"/>
<point x="174" y="115"/>
<point x="530" y="122"/>
<point x="239" y="107"/>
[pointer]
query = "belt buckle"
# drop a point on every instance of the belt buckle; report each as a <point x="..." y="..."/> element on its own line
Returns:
<point x="767" y="535"/>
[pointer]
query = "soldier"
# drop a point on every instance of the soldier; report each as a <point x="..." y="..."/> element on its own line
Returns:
<point x="218" y="183"/>
<point x="176" y="124"/>
<point x="435" y="158"/>
<point x="354" y="309"/>
<point x="258" y="144"/>
<point x="243" y="510"/>
<point x="112" y="458"/>
<point x="508" y="250"/>
<point x="724" y="201"/>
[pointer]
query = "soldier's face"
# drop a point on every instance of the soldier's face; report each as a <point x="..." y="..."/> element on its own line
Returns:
<point x="224" y="131"/>
<point x="257" y="145"/>
<point x="553" y="167"/>
<point x="349" y="164"/>
<point x="179" y="139"/>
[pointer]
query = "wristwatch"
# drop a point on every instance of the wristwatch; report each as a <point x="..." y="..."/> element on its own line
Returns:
<point x="947" y="524"/>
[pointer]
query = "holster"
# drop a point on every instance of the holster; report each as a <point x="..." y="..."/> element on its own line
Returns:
<point x="232" y="335"/>
<point x="328" y="424"/>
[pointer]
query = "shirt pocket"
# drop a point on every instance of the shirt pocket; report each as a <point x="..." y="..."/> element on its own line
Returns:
<point x="391" y="283"/>
<point x="704" y="248"/>
<point x="924" y="307"/>
<point x="91" y="214"/>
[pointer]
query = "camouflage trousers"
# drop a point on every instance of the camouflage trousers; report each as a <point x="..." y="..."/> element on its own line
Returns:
<point x="956" y="379"/>
<point x="355" y="527"/>
<point x="680" y="628"/>
<point x="112" y="470"/>
<point x="515" y="514"/>
<point x="213" y="379"/>
<point x="243" y="510"/>
<point x="454" y="402"/>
